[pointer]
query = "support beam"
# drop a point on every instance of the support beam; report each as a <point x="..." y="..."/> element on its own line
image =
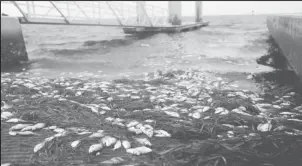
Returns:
<point x="25" y="16"/>
<point x="198" y="8"/>
<point x="140" y="15"/>
<point x="116" y="16"/>
<point x="62" y="15"/>
<point x="174" y="12"/>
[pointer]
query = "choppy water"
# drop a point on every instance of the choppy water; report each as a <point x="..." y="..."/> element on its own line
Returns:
<point x="230" y="43"/>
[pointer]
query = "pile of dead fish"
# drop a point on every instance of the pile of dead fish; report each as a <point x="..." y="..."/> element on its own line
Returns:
<point x="191" y="87"/>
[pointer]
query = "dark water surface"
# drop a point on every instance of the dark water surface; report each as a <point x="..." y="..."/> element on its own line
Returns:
<point x="229" y="44"/>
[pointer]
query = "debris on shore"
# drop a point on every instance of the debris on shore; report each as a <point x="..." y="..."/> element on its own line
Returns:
<point x="168" y="118"/>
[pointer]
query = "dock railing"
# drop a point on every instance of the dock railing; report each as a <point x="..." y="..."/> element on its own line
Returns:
<point x="102" y="13"/>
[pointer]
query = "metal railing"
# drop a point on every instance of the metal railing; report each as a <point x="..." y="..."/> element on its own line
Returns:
<point x="102" y="13"/>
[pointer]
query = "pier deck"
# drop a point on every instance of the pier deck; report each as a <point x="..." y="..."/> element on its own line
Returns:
<point x="166" y="29"/>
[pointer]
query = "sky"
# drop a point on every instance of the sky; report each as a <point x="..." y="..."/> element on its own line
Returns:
<point x="215" y="7"/>
<point x="240" y="7"/>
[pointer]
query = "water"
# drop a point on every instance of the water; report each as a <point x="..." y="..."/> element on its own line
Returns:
<point x="229" y="44"/>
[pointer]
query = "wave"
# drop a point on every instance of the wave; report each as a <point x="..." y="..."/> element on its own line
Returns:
<point x="257" y="44"/>
<point x="82" y="48"/>
<point x="73" y="51"/>
<point x="59" y="43"/>
<point x="109" y="43"/>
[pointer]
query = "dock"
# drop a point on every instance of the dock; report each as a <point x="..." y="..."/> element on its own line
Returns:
<point x="287" y="32"/>
<point x="167" y="29"/>
<point x="133" y="17"/>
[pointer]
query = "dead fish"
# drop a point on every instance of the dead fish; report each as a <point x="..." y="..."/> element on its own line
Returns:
<point x="139" y="150"/>
<point x="12" y="133"/>
<point x="59" y="130"/>
<point x="126" y="144"/>
<point x="48" y="139"/>
<point x="238" y="111"/>
<point x="52" y="127"/>
<point x="287" y="113"/>
<point x="230" y="134"/>
<point x="143" y="141"/>
<point x="6" y="106"/>
<point x="95" y="148"/>
<point x="97" y="135"/>
<point x="162" y="133"/>
<point x="84" y="133"/>
<point x="39" y="126"/>
<point x="102" y="112"/>
<point x="39" y="146"/>
<point x="264" y="127"/>
<point x="15" y="120"/>
<point x="219" y="110"/>
<point x="280" y="128"/>
<point x="196" y="115"/>
<point x="6" y="164"/>
<point x="28" y="128"/>
<point x="19" y="126"/>
<point x="113" y="161"/>
<point x="296" y="120"/>
<point x="149" y="121"/>
<point x="75" y="144"/>
<point x="173" y="114"/>
<point x="106" y="108"/>
<point x="147" y="131"/>
<point x="109" y="119"/>
<point x="249" y="77"/>
<point x="6" y="115"/>
<point x="108" y="141"/>
<point x="135" y="130"/>
<point x="277" y="107"/>
<point x="117" y="145"/>
<point x="26" y="133"/>
<point x="205" y="109"/>
<point x="228" y="125"/>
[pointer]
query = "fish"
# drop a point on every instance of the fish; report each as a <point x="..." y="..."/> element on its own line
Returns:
<point x="38" y="147"/>
<point x="162" y="133"/>
<point x="143" y="141"/>
<point x="19" y="126"/>
<point x="95" y="148"/>
<point x="108" y="141"/>
<point x="126" y="144"/>
<point x="6" y="115"/>
<point x="113" y="161"/>
<point x="264" y="127"/>
<point x="139" y="150"/>
<point x="97" y="135"/>
<point x="75" y="144"/>
<point x="15" y="120"/>
<point x="132" y="123"/>
<point x="117" y="145"/>
<point x="26" y="133"/>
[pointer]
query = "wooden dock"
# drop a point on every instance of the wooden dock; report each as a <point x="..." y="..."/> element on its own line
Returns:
<point x="167" y="29"/>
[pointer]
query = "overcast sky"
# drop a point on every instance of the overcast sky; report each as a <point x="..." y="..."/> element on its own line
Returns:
<point x="240" y="7"/>
<point x="217" y="7"/>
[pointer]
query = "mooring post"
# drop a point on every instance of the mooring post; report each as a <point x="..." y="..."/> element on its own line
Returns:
<point x="174" y="12"/>
<point x="198" y="9"/>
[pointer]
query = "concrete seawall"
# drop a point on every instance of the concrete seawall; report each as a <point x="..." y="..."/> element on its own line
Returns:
<point x="13" y="48"/>
<point x="287" y="32"/>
